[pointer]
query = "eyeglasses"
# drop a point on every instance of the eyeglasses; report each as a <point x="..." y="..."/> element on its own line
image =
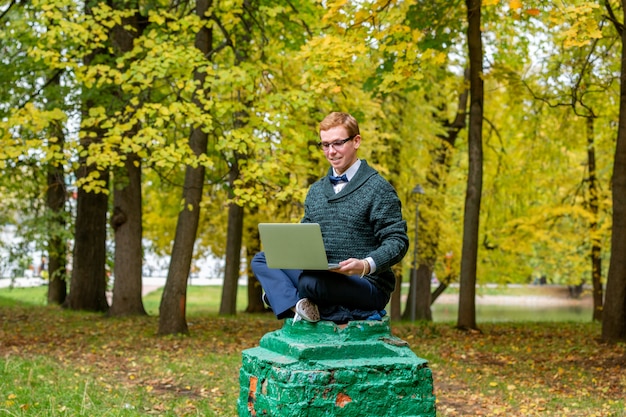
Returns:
<point x="337" y="144"/>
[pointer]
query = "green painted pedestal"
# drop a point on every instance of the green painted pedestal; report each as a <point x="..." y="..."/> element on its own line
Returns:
<point x="320" y="369"/>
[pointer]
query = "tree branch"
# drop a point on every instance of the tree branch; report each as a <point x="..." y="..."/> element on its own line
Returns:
<point x="4" y="13"/>
<point x="43" y="87"/>
<point x="618" y="26"/>
<point x="306" y="27"/>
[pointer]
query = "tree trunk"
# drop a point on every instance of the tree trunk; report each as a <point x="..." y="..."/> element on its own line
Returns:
<point x="614" y="312"/>
<point x="127" y="202"/>
<point x="56" y="195"/>
<point x="174" y="299"/>
<point x="422" y="302"/>
<point x="418" y="301"/>
<point x="596" y="248"/>
<point x="228" y="304"/>
<point x="127" y="224"/>
<point x="469" y="255"/>
<point x="172" y="318"/>
<point x="255" y="291"/>
<point x="395" y="304"/>
<point x="88" y="283"/>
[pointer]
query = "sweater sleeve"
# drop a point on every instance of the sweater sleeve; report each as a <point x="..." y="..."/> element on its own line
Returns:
<point x="389" y="228"/>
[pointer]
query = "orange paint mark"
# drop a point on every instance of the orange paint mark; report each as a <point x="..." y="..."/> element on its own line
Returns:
<point x="342" y="400"/>
<point x="252" y="395"/>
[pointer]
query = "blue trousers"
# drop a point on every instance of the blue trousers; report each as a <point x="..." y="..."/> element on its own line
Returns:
<point x="284" y="287"/>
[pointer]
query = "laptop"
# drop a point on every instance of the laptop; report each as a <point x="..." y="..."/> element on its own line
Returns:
<point x="294" y="246"/>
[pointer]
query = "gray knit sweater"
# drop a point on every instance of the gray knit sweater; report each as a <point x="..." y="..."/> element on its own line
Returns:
<point x="364" y="219"/>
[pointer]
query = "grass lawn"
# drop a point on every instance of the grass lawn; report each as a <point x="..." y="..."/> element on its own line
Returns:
<point x="55" y="362"/>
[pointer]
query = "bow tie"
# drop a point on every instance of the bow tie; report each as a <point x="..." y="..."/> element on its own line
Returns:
<point x="336" y="180"/>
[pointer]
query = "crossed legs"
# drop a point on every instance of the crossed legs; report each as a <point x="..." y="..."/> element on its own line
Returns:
<point x="285" y="287"/>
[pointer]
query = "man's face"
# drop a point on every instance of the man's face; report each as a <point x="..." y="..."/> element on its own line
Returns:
<point x="341" y="157"/>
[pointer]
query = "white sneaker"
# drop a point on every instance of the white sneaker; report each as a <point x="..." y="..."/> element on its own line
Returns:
<point x="266" y="301"/>
<point x="307" y="310"/>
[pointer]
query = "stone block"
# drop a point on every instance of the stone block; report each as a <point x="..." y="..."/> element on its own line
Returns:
<point x="322" y="369"/>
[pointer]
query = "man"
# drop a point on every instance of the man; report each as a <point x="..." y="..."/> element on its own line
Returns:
<point x="360" y="215"/>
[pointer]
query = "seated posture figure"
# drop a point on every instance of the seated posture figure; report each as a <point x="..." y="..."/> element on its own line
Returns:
<point x="360" y="215"/>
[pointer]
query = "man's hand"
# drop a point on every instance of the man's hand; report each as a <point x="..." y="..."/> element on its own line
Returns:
<point x="353" y="266"/>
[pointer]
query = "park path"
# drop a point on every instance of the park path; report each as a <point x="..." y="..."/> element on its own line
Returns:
<point x="548" y="300"/>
